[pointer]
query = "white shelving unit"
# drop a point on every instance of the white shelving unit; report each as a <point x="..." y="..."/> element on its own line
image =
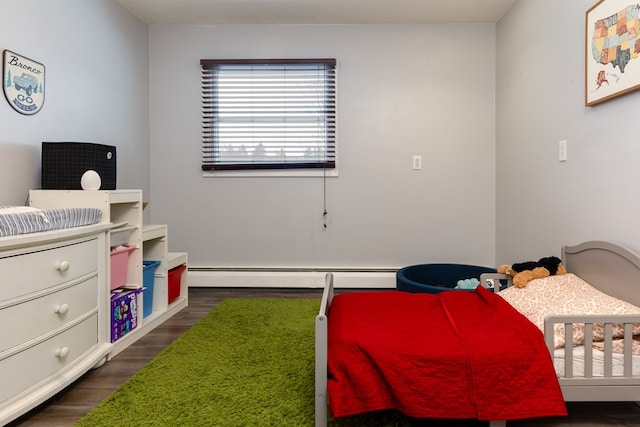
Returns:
<point x="125" y="207"/>
<point x="155" y="248"/>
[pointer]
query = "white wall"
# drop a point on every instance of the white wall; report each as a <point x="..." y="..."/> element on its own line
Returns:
<point x="484" y="105"/>
<point x="96" y="59"/>
<point x="542" y="203"/>
<point x="402" y="90"/>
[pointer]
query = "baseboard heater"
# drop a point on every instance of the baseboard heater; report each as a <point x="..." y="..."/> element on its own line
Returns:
<point x="283" y="277"/>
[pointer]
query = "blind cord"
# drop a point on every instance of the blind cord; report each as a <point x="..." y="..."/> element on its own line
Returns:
<point x="324" y="190"/>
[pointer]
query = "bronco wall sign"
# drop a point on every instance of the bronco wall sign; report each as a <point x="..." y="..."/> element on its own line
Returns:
<point x="23" y="83"/>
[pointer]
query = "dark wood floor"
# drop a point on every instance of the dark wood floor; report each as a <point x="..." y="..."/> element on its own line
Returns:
<point x="74" y="402"/>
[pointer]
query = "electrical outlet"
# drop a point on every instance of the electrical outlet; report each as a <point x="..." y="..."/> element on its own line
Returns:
<point x="417" y="163"/>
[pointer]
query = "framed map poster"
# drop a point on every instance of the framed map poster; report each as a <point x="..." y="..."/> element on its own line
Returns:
<point x="612" y="66"/>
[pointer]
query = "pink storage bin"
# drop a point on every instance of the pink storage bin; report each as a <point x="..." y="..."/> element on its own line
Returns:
<point x="120" y="265"/>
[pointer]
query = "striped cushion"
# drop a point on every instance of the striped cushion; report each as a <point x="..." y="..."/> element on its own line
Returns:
<point x="16" y="220"/>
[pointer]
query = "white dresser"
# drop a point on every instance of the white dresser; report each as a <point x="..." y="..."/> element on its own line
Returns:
<point x="53" y="311"/>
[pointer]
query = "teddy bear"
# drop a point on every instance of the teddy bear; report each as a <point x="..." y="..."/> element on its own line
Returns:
<point x="523" y="272"/>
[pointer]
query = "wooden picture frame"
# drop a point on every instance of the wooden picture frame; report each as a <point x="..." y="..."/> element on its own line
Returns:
<point x="612" y="50"/>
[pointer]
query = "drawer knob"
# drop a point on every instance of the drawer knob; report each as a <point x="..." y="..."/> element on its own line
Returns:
<point x="62" y="352"/>
<point x="61" y="309"/>
<point x="63" y="266"/>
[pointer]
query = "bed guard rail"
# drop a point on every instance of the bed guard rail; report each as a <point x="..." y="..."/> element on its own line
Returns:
<point x="489" y="280"/>
<point x="608" y="321"/>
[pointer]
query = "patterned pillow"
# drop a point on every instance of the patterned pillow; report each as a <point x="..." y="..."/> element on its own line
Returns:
<point x="568" y="294"/>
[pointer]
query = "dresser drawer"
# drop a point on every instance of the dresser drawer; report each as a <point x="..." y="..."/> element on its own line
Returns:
<point x="35" y="364"/>
<point x="28" y="320"/>
<point x="34" y="271"/>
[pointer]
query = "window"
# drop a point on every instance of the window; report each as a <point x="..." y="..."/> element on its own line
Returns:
<point x="268" y="114"/>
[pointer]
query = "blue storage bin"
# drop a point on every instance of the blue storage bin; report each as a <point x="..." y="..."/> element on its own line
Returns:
<point x="436" y="278"/>
<point x="148" y="275"/>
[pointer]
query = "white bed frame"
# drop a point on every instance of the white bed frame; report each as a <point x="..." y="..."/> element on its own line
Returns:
<point x="606" y="266"/>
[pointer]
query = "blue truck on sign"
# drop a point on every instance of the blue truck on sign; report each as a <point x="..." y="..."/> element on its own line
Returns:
<point x="26" y="82"/>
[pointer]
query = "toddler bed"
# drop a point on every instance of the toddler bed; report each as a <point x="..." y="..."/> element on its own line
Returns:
<point x="16" y="220"/>
<point x="592" y="355"/>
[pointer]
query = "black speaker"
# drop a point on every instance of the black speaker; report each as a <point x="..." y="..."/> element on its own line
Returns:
<point x="64" y="163"/>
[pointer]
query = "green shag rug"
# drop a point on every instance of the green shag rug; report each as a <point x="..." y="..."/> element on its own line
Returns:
<point x="250" y="362"/>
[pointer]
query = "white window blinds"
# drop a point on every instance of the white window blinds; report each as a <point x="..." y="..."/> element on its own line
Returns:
<point x="268" y="114"/>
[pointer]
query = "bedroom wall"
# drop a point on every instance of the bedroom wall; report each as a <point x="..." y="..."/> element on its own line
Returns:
<point x="96" y="59"/>
<point x="542" y="203"/>
<point x="403" y="90"/>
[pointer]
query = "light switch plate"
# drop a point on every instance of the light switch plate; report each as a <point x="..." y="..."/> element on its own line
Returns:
<point x="562" y="150"/>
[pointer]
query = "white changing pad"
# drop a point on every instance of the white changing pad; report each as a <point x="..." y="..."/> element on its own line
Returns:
<point x="16" y="220"/>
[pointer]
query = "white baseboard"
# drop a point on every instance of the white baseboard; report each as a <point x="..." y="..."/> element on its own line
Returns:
<point x="294" y="278"/>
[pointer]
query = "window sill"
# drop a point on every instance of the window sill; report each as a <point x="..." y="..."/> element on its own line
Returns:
<point x="273" y="173"/>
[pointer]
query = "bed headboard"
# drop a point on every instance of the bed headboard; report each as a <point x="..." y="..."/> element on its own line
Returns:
<point x="611" y="268"/>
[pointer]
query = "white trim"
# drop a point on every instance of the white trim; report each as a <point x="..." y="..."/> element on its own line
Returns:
<point x="293" y="278"/>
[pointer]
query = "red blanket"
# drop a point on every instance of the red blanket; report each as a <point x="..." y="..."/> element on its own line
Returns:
<point x="449" y="355"/>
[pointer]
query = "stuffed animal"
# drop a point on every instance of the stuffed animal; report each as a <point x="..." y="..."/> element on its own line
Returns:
<point x="467" y="284"/>
<point x="524" y="272"/>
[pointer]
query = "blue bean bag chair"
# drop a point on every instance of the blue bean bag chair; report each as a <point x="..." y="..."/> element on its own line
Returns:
<point x="435" y="278"/>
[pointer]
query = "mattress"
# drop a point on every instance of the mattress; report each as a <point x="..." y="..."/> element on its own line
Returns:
<point x="597" y="365"/>
<point x="15" y="220"/>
